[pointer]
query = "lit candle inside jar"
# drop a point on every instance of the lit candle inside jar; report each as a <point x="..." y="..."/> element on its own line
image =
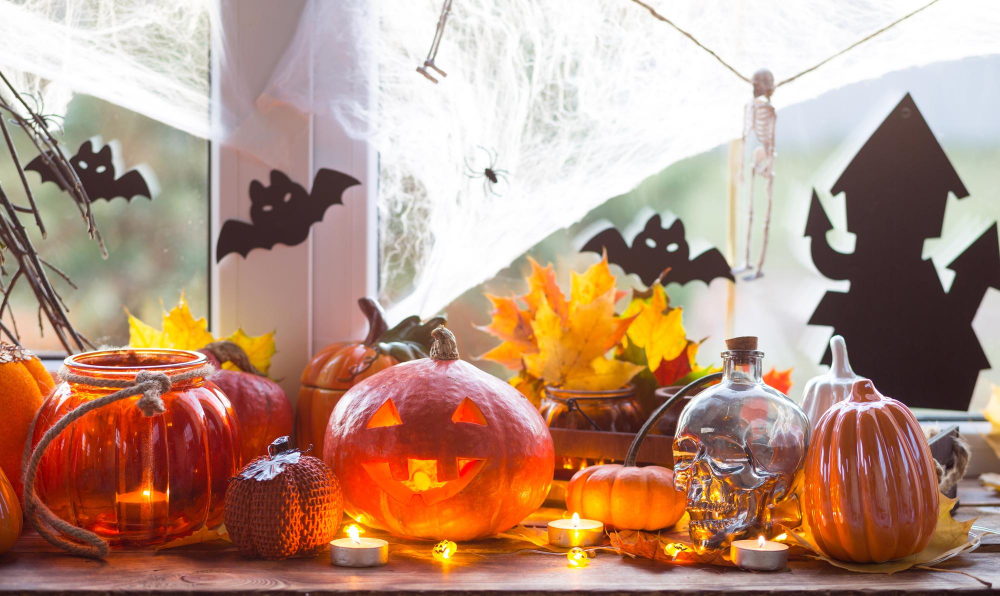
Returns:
<point x="568" y="533"/>
<point x="759" y="554"/>
<point x="356" y="551"/>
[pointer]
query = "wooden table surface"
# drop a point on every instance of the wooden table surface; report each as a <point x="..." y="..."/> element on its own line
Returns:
<point x="34" y="567"/>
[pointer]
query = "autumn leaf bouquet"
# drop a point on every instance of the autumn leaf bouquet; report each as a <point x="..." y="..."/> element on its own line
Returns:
<point x="580" y="343"/>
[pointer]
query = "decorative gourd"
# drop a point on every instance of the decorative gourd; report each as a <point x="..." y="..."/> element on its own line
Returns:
<point x="10" y="515"/>
<point x="338" y="367"/>
<point x="284" y="504"/>
<point x="24" y="384"/>
<point x="626" y="497"/>
<point x="871" y="492"/>
<point x="835" y="386"/>
<point x="263" y="409"/>
<point x="438" y="449"/>
<point x="131" y="479"/>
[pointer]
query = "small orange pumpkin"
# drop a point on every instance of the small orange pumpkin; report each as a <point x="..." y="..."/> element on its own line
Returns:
<point x="340" y="366"/>
<point x="25" y="384"/>
<point x="871" y="492"/>
<point x="10" y="515"/>
<point x="626" y="497"/>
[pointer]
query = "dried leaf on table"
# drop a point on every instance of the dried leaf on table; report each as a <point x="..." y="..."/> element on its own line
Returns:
<point x="779" y="379"/>
<point x="181" y="331"/>
<point x="202" y="535"/>
<point x="667" y="548"/>
<point x="535" y="536"/>
<point x="951" y="538"/>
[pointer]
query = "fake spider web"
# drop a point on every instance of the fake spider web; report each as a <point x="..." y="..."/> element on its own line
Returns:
<point x="580" y="99"/>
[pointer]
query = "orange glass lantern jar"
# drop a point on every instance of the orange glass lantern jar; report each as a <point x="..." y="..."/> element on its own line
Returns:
<point x="138" y="481"/>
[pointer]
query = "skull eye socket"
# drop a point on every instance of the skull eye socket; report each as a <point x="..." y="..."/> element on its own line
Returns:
<point x="386" y="415"/>
<point x="468" y="411"/>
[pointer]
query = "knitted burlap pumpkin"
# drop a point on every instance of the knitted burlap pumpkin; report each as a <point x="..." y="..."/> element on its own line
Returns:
<point x="284" y="504"/>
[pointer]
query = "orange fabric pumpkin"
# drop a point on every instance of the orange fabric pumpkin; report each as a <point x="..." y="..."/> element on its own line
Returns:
<point x="626" y="497"/>
<point x="10" y="515"/>
<point x="871" y="492"/>
<point x="340" y="366"/>
<point x="25" y="384"/>
<point x="438" y="449"/>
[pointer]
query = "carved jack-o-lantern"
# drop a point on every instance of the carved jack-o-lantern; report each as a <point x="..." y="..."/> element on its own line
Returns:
<point x="435" y="448"/>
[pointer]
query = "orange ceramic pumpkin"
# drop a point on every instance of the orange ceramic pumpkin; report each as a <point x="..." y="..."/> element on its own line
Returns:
<point x="10" y="515"/>
<point x="626" y="497"/>
<point x="438" y="449"/>
<point x="338" y="367"/>
<point x="871" y="492"/>
<point x="24" y="384"/>
<point x="131" y="479"/>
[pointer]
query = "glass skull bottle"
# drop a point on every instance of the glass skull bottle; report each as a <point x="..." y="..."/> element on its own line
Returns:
<point x="738" y="453"/>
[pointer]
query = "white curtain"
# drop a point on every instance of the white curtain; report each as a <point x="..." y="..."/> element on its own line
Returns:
<point x="580" y="100"/>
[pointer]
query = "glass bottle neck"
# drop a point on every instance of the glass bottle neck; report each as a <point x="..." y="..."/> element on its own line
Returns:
<point x="742" y="367"/>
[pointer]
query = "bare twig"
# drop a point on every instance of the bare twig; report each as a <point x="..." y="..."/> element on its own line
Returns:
<point x="31" y="267"/>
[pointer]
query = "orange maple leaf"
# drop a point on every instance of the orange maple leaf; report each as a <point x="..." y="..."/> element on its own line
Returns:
<point x="779" y="379"/>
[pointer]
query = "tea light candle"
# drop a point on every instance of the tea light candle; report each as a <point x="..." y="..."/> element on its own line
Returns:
<point x="355" y="551"/>
<point x="568" y="533"/>
<point x="759" y="554"/>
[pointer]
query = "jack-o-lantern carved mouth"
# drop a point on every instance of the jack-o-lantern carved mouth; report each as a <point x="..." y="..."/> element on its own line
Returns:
<point x="423" y="480"/>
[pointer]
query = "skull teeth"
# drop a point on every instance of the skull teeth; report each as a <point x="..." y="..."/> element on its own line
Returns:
<point x="713" y="525"/>
<point x="711" y="507"/>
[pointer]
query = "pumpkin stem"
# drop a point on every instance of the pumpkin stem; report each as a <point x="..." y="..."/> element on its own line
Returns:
<point x="840" y="366"/>
<point x="279" y="445"/>
<point x="444" y="347"/>
<point x="377" y="324"/>
<point x="864" y="391"/>
<point x="227" y="351"/>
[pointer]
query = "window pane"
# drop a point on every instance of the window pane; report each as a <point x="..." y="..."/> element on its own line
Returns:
<point x="157" y="248"/>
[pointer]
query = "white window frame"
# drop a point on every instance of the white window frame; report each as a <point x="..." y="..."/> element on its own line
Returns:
<point x="307" y="293"/>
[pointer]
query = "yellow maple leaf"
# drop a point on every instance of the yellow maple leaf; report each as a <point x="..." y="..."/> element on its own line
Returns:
<point x="509" y="323"/>
<point x="595" y="282"/>
<point x="542" y="288"/>
<point x="507" y="354"/>
<point x="567" y="352"/>
<point x="604" y="373"/>
<point x="141" y="335"/>
<point x="181" y="331"/>
<point x="657" y="329"/>
<point x="259" y="348"/>
<point x="992" y="413"/>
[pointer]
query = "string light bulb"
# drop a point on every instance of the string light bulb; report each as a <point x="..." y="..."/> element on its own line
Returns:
<point x="444" y="550"/>
<point x="578" y="557"/>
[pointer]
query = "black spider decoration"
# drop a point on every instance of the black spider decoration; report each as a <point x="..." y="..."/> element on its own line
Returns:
<point x="491" y="175"/>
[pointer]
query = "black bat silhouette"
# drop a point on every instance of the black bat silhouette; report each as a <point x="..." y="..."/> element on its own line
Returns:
<point x="97" y="171"/>
<point x="657" y="248"/>
<point x="282" y="212"/>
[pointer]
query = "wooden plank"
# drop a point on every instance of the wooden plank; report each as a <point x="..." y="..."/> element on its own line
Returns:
<point x="34" y="567"/>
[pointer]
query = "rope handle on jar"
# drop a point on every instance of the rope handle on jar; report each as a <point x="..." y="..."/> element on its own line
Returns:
<point x="57" y="531"/>
<point x="696" y="385"/>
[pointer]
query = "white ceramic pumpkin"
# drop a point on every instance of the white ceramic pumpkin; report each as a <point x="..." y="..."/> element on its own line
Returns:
<point x="835" y="386"/>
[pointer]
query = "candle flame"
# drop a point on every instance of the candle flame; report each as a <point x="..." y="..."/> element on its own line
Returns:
<point x="576" y="521"/>
<point x="760" y="541"/>
<point x="145" y="493"/>
<point x="354" y="533"/>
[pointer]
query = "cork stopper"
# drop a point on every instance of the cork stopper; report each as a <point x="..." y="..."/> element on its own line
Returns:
<point x="444" y="346"/>
<point x="747" y="342"/>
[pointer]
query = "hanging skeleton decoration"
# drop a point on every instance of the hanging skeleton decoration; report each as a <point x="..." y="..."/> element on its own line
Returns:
<point x="760" y="119"/>
<point x="432" y="54"/>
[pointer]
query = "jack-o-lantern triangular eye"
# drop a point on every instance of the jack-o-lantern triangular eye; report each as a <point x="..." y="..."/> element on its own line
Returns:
<point x="469" y="412"/>
<point x="386" y="415"/>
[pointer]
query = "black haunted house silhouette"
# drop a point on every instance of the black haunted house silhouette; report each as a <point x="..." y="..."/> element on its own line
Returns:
<point x="903" y="330"/>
